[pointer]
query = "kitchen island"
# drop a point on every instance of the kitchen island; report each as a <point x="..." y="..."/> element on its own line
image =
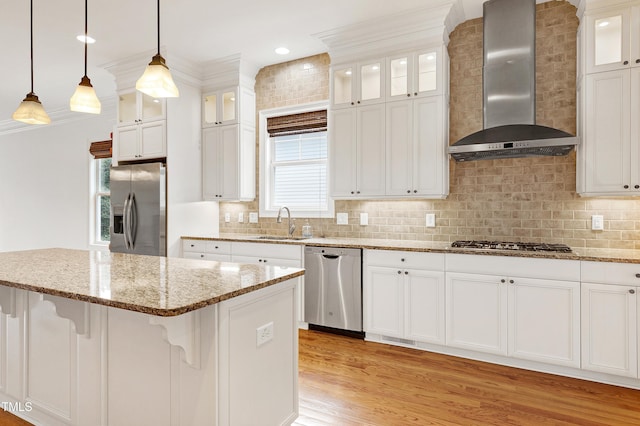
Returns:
<point x="98" y="338"/>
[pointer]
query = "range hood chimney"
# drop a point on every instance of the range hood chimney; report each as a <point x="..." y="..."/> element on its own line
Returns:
<point x="509" y="90"/>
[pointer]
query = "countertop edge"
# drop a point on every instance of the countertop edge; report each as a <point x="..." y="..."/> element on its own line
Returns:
<point x="419" y="246"/>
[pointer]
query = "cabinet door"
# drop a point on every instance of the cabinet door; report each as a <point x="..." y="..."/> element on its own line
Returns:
<point x="127" y="108"/>
<point x="426" y="78"/>
<point x="220" y="107"/>
<point x="544" y="321"/>
<point x="153" y="139"/>
<point x="608" y="38"/>
<point x="370" y="82"/>
<point x="383" y="301"/>
<point x="399" y="78"/>
<point x="399" y="148"/>
<point x="424" y="305"/>
<point x="635" y="128"/>
<point x="343" y="152"/>
<point x="370" y="160"/>
<point x="211" y="160"/>
<point x="609" y="329"/>
<point x="150" y="108"/>
<point x="429" y="159"/>
<point x="607" y="137"/>
<point x="229" y="162"/>
<point x="476" y="312"/>
<point x="127" y="141"/>
<point x="343" y="86"/>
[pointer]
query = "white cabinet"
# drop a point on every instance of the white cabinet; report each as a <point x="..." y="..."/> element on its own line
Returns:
<point x="414" y="74"/>
<point x="357" y="151"/>
<point x="206" y="250"/>
<point x="613" y="39"/>
<point x="610" y="318"/>
<point x="357" y="84"/>
<point x="228" y="106"/>
<point x="141" y="130"/>
<point x="416" y="161"/>
<point x="403" y="295"/>
<point x="611" y="141"/>
<point x="532" y="311"/>
<point x="228" y="163"/>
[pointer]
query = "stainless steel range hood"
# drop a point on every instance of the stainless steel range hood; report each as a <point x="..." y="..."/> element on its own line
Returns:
<point x="509" y="90"/>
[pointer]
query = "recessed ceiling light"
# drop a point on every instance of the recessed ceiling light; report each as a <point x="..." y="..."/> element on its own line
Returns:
<point x="90" y="40"/>
<point x="282" y="51"/>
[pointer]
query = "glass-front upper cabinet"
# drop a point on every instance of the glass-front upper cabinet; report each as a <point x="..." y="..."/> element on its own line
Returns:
<point x="413" y="75"/>
<point x="613" y="40"/>
<point x="220" y="108"/>
<point x="358" y="84"/>
<point x="137" y="107"/>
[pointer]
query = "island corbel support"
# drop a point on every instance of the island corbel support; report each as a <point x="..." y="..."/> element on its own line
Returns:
<point x="8" y="301"/>
<point x="182" y="331"/>
<point x="74" y="311"/>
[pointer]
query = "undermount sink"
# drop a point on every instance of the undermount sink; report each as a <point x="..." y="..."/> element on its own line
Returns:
<point x="277" y="237"/>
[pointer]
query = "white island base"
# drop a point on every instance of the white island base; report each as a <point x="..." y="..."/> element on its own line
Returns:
<point x="68" y="362"/>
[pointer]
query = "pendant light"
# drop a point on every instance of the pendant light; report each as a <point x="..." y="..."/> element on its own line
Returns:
<point x="84" y="99"/>
<point x="30" y="110"/>
<point x="156" y="80"/>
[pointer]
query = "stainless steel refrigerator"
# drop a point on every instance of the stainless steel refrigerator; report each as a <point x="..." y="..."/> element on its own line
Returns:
<point x="138" y="209"/>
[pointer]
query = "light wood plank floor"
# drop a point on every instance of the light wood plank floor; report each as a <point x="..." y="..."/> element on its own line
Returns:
<point x="347" y="381"/>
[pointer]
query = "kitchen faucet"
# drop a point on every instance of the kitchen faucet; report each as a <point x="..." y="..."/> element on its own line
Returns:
<point x="292" y="226"/>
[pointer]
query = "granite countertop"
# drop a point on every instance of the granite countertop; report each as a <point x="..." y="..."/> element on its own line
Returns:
<point x="153" y="285"/>
<point x="587" y="254"/>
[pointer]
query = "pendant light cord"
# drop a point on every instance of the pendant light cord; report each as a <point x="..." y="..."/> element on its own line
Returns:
<point x="85" y="37"/>
<point x="158" y="27"/>
<point x="31" y="24"/>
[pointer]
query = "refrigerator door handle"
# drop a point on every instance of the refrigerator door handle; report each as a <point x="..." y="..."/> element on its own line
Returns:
<point x="125" y="222"/>
<point x="133" y="210"/>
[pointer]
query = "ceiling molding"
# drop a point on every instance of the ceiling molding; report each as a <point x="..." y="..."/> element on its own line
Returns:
<point x="61" y="117"/>
<point x="229" y="71"/>
<point x="400" y="32"/>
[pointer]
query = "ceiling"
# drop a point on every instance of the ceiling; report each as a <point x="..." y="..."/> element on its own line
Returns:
<point x="197" y="30"/>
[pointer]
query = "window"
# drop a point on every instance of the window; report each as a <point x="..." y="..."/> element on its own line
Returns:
<point x="102" y="200"/>
<point x="294" y="163"/>
<point x="100" y="192"/>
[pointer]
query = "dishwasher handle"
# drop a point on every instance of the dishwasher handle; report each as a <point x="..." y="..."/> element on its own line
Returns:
<point x="330" y="256"/>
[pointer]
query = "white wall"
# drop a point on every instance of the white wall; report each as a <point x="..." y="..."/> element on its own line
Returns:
<point x="44" y="184"/>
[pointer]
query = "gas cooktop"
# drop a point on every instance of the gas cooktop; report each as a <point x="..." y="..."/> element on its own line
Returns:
<point x="510" y="245"/>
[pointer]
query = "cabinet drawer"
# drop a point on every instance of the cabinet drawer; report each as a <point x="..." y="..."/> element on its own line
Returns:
<point x="405" y="259"/>
<point x="529" y="267"/>
<point x="610" y="273"/>
<point x="267" y="250"/>
<point x="194" y="246"/>
<point x="218" y="247"/>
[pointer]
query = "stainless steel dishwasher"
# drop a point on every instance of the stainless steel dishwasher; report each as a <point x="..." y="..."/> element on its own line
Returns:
<point x="333" y="288"/>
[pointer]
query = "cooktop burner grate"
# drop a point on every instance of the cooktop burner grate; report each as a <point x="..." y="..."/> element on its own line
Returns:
<point x="511" y="245"/>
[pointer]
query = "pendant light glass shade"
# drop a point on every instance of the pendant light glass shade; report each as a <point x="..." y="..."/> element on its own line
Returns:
<point x="30" y="111"/>
<point x="84" y="99"/>
<point x="156" y="81"/>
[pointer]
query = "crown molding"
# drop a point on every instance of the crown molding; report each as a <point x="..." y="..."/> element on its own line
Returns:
<point x="61" y="117"/>
<point x="408" y="30"/>
<point x="231" y="70"/>
<point x="599" y="5"/>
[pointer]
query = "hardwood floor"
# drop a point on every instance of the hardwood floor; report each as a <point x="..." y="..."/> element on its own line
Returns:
<point x="351" y="382"/>
<point x="348" y="382"/>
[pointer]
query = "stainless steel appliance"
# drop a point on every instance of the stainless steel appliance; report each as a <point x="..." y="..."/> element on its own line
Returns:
<point x="511" y="245"/>
<point x="333" y="288"/>
<point x="509" y="90"/>
<point x="138" y="209"/>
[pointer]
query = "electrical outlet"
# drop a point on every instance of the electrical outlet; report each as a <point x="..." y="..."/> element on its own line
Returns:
<point x="253" y="217"/>
<point x="227" y="217"/>
<point x="430" y="220"/>
<point x="342" y="218"/>
<point x="364" y="219"/>
<point x="264" y="334"/>
<point x="597" y="222"/>
<point x="241" y="217"/>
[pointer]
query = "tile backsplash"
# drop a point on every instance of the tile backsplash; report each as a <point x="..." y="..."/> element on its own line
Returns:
<point x="526" y="199"/>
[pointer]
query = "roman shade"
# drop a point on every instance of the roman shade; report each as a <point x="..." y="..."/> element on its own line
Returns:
<point x="101" y="149"/>
<point x="306" y="122"/>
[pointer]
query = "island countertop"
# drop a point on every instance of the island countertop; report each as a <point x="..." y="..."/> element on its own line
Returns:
<point x="153" y="285"/>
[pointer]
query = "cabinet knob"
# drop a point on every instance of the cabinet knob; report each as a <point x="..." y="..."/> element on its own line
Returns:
<point x="637" y="61"/>
<point x="192" y="245"/>
<point x="358" y="101"/>
<point x="625" y="63"/>
<point x="503" y="280"/>
<point x="402" y="260"/>
<point x="632" y="291"/>
<point x="265" y="261"/>
<point x="626" y="187"/>
<point x="406" y="272"/>
<point x="202" y="255"/>
<point x="637" y="275"/>
<point x="352" y="192"/>
<point x="357" y="192"/>
<point x="408" y="95"/>
<point x="399" y="272"/>
<point x="511" y="281"/>
<point x="216" y="247"/>
<point x="408" y="191"/>
<point x="352" y="103"/>
<point x="415" y="94"/>
<point x="415" y="191"/>
<point x="636" y="186"/>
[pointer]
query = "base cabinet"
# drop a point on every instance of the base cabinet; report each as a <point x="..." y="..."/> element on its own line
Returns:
<point x="403" y="299"/>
